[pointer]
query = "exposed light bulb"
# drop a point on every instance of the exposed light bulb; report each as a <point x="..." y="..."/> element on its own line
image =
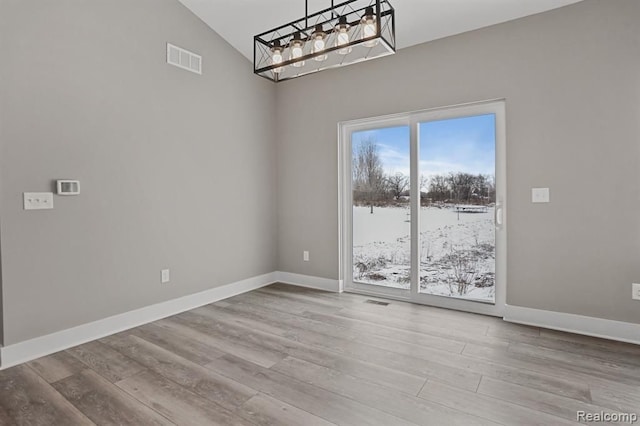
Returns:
<point x="342" y="36"/>
<point x="276" y="56"/>
<point x="296" y="47"/>
<point x="369" y="27"/>
<point x="318" y="37"/>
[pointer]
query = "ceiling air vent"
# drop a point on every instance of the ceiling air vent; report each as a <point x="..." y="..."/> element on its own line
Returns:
<point x="184" y="59"/>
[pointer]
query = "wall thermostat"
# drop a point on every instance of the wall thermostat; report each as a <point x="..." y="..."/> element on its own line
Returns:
<point x="68" y="187"/>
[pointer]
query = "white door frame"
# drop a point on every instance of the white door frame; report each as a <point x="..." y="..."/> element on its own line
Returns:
<point x="345" y="205"/>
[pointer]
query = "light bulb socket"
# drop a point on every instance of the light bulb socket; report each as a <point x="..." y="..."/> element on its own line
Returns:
<point x="318" y="32"/>
<point x="342" y="23"/>
<point x="296" y="40"/>
<point x="368" y="12"/>
<point x="277" y="47"/>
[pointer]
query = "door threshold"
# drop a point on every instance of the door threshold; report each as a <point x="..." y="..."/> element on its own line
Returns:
<point x="479" y="310"/>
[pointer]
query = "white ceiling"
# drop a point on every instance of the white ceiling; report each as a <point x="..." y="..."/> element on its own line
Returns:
<point x="417" y="21"/>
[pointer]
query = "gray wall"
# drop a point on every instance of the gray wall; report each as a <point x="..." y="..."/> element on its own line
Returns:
<point x="571" y="79"/>
<point x="177" y="170"/>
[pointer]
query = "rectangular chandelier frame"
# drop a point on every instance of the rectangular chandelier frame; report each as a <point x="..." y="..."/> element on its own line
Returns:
<point x="343" y="34"/>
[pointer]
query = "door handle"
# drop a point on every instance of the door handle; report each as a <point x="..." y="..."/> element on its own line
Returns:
<point x="499" y="220"/>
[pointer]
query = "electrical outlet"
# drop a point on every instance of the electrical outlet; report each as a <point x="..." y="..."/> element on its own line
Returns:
<point x="635" y="291"/>
<point x="539" y="195"/>
<point x="37" y="200"/>
<point x="164" y="276"/>
<point x="305" y="256"/>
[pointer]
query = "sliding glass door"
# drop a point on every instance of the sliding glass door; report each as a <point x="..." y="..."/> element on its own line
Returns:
<point x="423" y="207"/>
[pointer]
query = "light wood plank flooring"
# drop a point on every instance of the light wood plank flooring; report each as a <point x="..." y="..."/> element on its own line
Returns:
<point x="284" y="355"/>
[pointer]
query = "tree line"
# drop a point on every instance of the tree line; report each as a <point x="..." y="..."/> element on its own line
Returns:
<point x="373" y="187"/>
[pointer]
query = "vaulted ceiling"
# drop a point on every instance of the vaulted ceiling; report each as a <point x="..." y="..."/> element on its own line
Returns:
<point x="417" y="21"/>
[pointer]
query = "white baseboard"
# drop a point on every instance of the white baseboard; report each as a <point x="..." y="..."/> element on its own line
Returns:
<point x="309" y="281"/>
<point x="40" y="346"/>
<point x="589" y="326"/>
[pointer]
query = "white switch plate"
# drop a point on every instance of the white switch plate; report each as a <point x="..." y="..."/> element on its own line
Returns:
<point x="635" y="294"/>
<point x="164" y="276"/>
<point x="68" y="187"/>
<point x="539" y="195"/>
<point x="305" y="256"/>
<point x="38" y="200"/>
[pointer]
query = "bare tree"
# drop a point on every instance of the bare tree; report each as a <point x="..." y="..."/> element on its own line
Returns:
<point x="424" y="183"/>
<point x="438" y="187"/>
<point x="462" y="185"/>
<point x="398" y="184"/>
<point x="368" y="175"/>
<point x="491" y="188"/>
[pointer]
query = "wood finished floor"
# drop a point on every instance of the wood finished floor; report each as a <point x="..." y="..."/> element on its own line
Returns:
<point x="290" y="356"/>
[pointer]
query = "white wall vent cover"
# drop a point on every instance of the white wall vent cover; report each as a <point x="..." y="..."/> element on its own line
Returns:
<point x="184" y="59"/>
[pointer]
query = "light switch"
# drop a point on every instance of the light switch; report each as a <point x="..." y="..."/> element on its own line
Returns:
<point x="38" y="200"/>
<point x="635" y="291"/>
<point x="68" y="187"/>
<point x="539" y="195"/>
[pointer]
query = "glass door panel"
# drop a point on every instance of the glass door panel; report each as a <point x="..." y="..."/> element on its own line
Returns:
<point x="381" y="207"/>
<point x="458" y="199"/>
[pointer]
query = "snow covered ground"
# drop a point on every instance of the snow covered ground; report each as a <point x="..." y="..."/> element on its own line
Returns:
<point x="457" y="250"/>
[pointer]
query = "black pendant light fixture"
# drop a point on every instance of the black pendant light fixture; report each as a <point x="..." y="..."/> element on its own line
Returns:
<point x="346" y="33"/>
